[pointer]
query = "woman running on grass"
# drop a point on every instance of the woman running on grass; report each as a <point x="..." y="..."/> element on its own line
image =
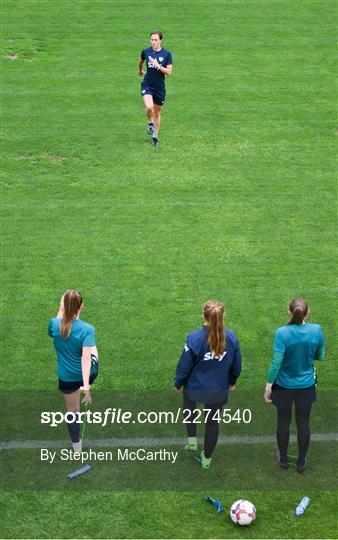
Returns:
<point x="159" y="64"/>
<point x="291" y="378"/>
<point x="208" y="368"/>
<point x="77" y="356"/>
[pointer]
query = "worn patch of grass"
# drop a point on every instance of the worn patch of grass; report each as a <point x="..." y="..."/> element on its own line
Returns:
<point x="164" y="515"/>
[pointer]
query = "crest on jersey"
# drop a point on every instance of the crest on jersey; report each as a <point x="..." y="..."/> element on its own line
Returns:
<point x="161" y="58"/>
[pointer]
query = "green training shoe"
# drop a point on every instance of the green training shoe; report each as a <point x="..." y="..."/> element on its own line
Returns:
<point x="205" y="462"/>
<point x="192" y="444"/>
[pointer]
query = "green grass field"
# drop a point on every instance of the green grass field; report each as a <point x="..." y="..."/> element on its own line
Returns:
<point x="238" y="203"/>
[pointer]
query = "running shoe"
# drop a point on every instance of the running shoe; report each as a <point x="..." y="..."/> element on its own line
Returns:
<point x="77" y="446"/>
<point x="154" y="142"/>
<point x="301" y="465"/>
<point x="283" y="464"/>
<point x="205" y="462"/>
<point x="150" y="128"/>
<point x="192" y="444"/>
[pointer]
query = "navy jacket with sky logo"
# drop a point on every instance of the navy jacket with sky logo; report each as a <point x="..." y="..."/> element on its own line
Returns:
<point x="205" y="377"/>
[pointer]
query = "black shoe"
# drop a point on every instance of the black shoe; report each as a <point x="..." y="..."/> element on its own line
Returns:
<point x="282" y="463"/>
<point x="150" y="128"/>
<point x="154" y="142"/>
<point x="301" y="466"/>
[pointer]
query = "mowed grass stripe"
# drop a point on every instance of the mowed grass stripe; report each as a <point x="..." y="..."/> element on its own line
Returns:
<point x="164" y="514"/>
<point x="150" y="442"/>
<point x="235" y="466"/>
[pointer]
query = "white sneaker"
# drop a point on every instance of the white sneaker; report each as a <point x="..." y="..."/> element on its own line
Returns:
<point x="77" y="446"/>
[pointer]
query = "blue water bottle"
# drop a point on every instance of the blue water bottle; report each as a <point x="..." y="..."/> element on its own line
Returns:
<point x="302" y="506"/>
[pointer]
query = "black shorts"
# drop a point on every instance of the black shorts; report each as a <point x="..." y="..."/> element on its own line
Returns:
<point x="157" y="93"/>
<point x="284" y="397"/>
<point x="68" y="387"/>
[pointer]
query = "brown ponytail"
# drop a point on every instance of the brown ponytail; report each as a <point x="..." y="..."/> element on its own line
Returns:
<point x="213" y="312"/>
<point x="298" y="308"/>
<point x="72" y="302"/>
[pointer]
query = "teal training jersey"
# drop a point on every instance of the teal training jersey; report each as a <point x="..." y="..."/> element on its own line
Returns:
<point x="69" y="351"/>
<point x="300" y="344"/>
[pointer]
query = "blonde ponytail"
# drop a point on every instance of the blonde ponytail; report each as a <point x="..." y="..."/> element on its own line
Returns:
<point x="72" y="302"/>
<point x="213" y="312"/>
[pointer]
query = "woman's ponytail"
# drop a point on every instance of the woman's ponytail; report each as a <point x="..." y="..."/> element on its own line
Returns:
<point x="72" y="302"/>
<point x="213" y="312"/>
<point x="298" y="308"/>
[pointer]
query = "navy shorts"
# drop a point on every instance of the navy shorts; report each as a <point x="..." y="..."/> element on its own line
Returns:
<point x="284" y="397"/>
<point x="157" y="93"/>
<point x="68" y="387"/>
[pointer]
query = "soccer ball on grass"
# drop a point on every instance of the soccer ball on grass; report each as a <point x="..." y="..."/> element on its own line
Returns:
<point x="243" y="512"/>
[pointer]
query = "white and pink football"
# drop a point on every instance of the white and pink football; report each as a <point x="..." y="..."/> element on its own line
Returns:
<point x="243" y="512"/>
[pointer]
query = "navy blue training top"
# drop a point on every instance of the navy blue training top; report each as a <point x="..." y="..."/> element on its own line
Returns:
<point x="154" y="77"/>
<point x="205" y="376"/>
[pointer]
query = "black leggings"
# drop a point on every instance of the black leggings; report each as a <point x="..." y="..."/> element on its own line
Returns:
<point x="303" y="430"/>
<point x="211" y="424"/>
